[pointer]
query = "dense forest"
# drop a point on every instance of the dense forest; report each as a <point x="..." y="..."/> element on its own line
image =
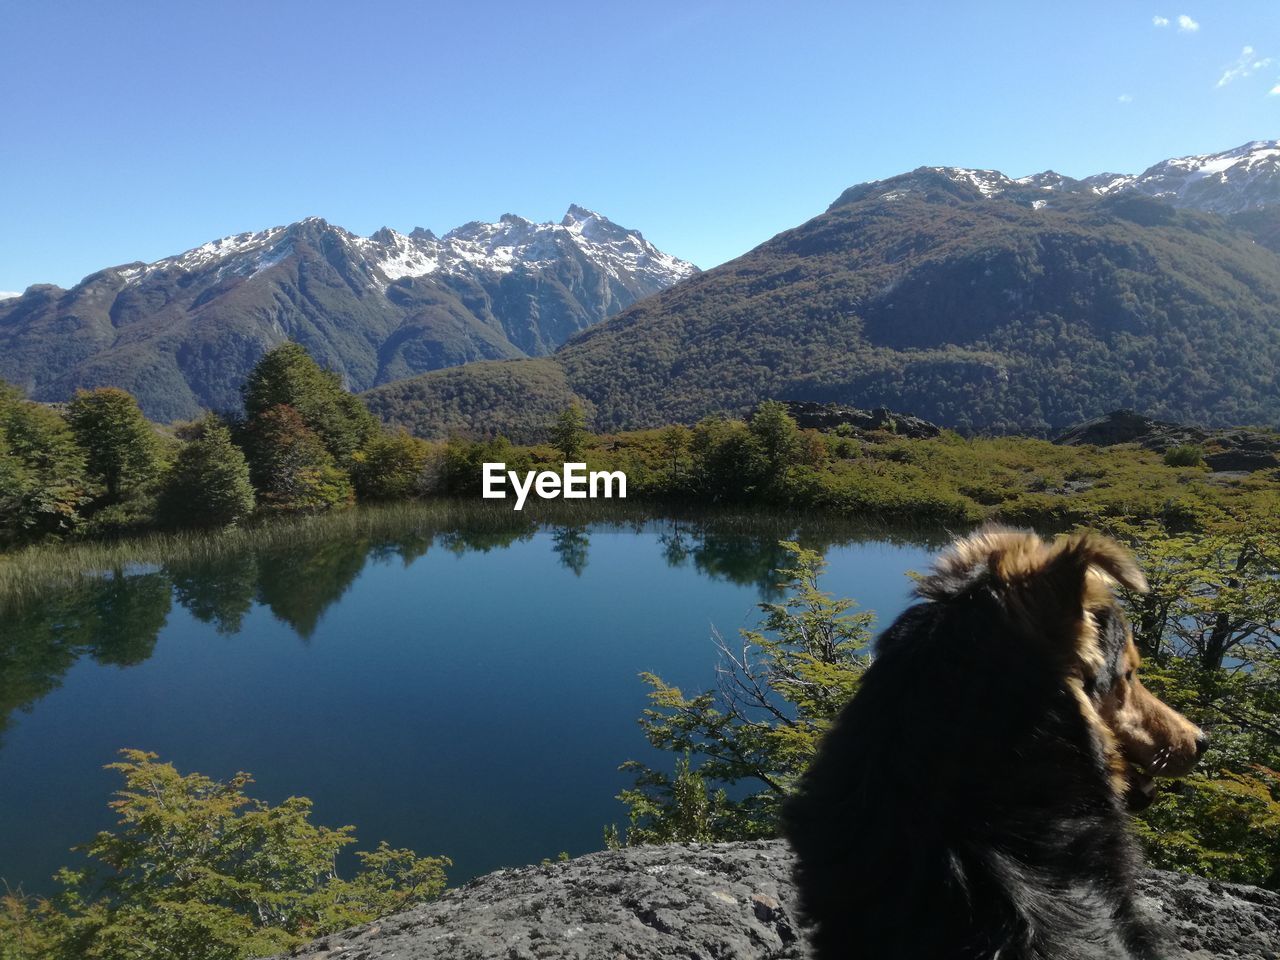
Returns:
<point x="985" y="315"/>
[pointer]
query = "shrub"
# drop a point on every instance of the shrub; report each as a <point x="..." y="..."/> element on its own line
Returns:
<point x="195" y="869"/>
<point x="208" y="484"/>
<point x="390" y="467"/>
<point x="1184" y="455"/>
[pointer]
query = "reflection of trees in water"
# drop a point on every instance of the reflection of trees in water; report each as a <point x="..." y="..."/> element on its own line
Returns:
<point x="746" y="550"/>
<point x="299" y="585"/>
<point x="117" y="618"/>
<point x="217" y="593"/>
<point x="570" y="545"/>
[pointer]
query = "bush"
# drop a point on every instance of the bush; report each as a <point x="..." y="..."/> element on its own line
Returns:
<point x="756" y="733"/>
<point x="390" y="467"/>
<point x="1185" y="455"/>
<point x="195" y="869"/>
<point x="208" y="484"/>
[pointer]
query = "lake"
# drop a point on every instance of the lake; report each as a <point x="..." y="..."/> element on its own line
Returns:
<point x="467" y="692"/>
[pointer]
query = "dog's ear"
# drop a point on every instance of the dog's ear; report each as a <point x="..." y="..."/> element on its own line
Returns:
<point x="1103" y="553"/>
<point x="1047" y="590"/>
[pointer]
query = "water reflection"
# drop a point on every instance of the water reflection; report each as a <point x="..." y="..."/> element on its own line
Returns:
<point x="117" y="617"/>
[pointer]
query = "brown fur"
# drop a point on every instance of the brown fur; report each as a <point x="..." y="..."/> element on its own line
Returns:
<point x="1055" y="591"/>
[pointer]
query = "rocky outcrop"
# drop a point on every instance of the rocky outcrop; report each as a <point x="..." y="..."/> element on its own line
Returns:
<point x="1224" y="449"/>
<point x="828" y="416"/>
<point x="718" y="901"/>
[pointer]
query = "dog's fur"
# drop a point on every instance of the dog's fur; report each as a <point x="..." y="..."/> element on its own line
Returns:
<point x="970" y="800"/>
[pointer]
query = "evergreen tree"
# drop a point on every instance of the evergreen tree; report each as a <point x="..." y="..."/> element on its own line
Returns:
<point x="122" y="448"/>
<point x="208" y="484"/>
<point x="287" y="376"/>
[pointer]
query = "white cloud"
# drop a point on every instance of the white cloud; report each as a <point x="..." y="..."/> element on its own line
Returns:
<point x="1125" y="98"/>
<point x="1160" y="21"/>
<point x="9" y="294"/>
<point x="1274" y="91"/>
<point x="1245" y="64"/>
<point x="1186" y="24"/>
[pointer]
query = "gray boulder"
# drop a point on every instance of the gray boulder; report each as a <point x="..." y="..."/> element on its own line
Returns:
<point x="717" y="901"/>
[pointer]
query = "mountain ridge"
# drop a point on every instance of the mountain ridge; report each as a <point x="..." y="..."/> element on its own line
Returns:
<point x="1233" y="181"/>
<point x="181" y="332"/>
<point x="981" y="305"/>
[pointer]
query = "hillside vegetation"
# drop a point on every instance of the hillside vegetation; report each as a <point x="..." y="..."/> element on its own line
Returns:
<point x="985" y="315"/>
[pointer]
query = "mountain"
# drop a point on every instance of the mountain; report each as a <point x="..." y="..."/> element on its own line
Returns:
<point x="181" y="333"/>
<point x="962" y="296"/>
<point x="1232" y="182"/>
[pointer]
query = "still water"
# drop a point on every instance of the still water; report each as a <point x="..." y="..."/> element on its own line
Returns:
<point x="457" y="692"/>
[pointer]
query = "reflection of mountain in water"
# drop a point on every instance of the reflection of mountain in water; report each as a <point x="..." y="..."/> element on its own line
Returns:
<point x="116" y="618"/>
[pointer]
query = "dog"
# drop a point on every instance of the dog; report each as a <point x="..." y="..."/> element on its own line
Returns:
<point x="969" y="802"/>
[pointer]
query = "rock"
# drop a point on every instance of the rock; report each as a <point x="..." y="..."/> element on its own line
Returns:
<point x="1126" y="426"/>
<point x="811" y="415"/>
<point x="1225" y="450"/>
<point x="715" y="902"/>
<point x="1245" y="460"/>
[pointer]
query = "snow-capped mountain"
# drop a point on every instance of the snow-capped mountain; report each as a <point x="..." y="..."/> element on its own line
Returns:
<point x="1232" y="182"/>
<point x="182" y="331"/>
<point x="511" y="244"/>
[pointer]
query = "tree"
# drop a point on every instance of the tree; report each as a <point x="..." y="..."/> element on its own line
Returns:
<point x="43" y="469"/>
<point x="757" y="731"/>
<point x="195" y="869"/>
<point x="290" y="466"/>
<point x="674" y="443"/>
<point x="288" y="376"/>
<point x="569" y="433"/>
<point x="390" y="467"/>
<point x="208" y="484"/>
<point x="122" y="447"/>
<point x="726" y="462"/>
<point x="777" y="439"/>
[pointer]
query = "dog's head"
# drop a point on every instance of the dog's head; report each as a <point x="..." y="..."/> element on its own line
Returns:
<point x="1059" y="597"/>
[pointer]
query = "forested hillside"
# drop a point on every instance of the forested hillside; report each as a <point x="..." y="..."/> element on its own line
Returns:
<point x="1026" y="311"/>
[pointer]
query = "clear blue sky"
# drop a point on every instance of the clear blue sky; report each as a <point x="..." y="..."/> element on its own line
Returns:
<point x="134" y="130"/>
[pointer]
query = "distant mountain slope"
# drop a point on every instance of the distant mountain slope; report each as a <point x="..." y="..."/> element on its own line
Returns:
<point x="964" y="297"/>
<point x="182" y="333"/>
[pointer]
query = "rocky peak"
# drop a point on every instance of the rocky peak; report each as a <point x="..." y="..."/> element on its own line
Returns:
<point x="1233" y="181"/>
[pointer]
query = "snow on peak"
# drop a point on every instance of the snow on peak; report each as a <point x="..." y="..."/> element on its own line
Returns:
<point x="990" y="183"/>
<point x="1244" y="178"/>
<point x="512" y="243"/>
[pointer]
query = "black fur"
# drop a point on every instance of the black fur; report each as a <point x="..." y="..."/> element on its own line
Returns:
<point x="962" y="807"/>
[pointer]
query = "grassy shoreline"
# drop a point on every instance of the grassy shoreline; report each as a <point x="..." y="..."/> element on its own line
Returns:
<point x="882" y="487"/>
<point x="28" y="570"/>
